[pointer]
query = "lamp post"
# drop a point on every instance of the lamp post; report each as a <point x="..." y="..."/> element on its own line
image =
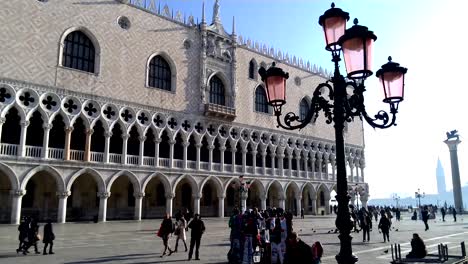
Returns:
<point x="356" y="44"/>
<point x="397" y="199"/>
<point x="419" y="195"/>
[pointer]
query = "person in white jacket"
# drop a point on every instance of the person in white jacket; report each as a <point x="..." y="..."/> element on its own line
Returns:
<point x="181" y="225"/>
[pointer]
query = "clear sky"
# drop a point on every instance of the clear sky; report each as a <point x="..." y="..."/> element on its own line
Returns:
<point x="426" y="36"/>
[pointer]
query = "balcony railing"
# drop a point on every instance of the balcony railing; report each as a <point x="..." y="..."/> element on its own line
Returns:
<point x="216" y="167"/>
<point x="227" y="167"/>
<point x="115" y="158"/>
<point x="178" y="163"/>
<point x="33" y="151"/>
<point x="76" y="154"/>
<point x="220" y="111"/>
<point x="97" y="156"/>
<point x="56" y="153"/>
<point x="148" y="161"/>
<point x="133" y="159"/>
<point x="164" y="162"/>
<point x="191" y="164"/>
<point x="204" y="165"/>
<point x="8" y="149"/>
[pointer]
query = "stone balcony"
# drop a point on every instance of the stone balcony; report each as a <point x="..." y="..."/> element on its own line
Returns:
<point x="220" y="111"/>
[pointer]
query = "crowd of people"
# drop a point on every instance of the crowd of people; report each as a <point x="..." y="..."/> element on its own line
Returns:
<point x="29" y="236"/>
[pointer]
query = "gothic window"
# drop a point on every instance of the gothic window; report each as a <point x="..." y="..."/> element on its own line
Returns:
<point x="252" y="69"/>
<point x="159" y="74"/>
<point x="261" y="104"/>
<point x="78" y="52"/>
<point x="303" y="109"/>
<point x="217" y="91"/>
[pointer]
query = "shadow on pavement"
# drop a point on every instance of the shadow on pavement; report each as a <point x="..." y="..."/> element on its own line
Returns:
<point x="117" y="258"/>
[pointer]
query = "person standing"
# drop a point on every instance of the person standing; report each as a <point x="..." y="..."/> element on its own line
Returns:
<point x="302" y="213"/>
<point x="49" y="237"/>
<point x="23" y="233"/>
<point x="180" y="232"/>
<point x="398" y="214"/>
<point x="442" y="211"/>
<point x="365" y="220"/>
<point x="454" y="213"/>
<point x="384" y="225"/>
<point x="425" y="217"/>
<point x="166" y="229"/>
<point x="198" y="228"/>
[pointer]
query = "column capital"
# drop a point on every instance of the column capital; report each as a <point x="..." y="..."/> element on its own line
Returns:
<point x="142" y="138"/>
<point x="254" y="152"/>
<point x="211" y="147"/>
<point x="69" y="129"/>
<point x="157" y="140"/>
<point x="222" y="196"/>
<point x="185" y="144"/>
<point x="139" y="195"/>
<point x="280" y="156"/>
<point x="172" y="141"/>
<point x="222" y="148"/>
<point x="2" y="120"/>
<point x="198" y="145"/>
<point x="89" y="131"/>
<point x="169" y="195"/>
<point x="63" y="195"/>
<point x="196" y="196"/>
<point x="452" y="144"/>
<point x="244" y="151"/>
<point x="47" y="126"/>
<point x="125" y="136"/>
<point x="24" y="123"/>
<point x="108" y="134"/>
<point x="18" y="192"/>
<point x="103" y="195"/>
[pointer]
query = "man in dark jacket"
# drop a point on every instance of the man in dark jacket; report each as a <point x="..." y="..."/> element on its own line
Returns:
<point x="48" y="238"/>
<point x="23" y="233"/>
<point x="297" y="251"/>
<point x="418" y="248"/>
<point x="425" y="217"/>
<point x="198" y="228"/>
<point x="167" y="228"/>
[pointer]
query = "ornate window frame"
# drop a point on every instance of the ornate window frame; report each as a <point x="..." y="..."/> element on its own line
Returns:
<point x="172" y="67"/>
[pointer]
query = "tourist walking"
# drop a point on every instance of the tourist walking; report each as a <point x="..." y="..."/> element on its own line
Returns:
<point x="442" y="211"/>
<point x="384" y="226"/>
<point x="366" y="221"/>
<point x="32" y="237"/>
<point x="48" y="238"/>
<point x="166" y="229"/>
<point x="181" y="225"/>
<point x="23" y="233"/>
<point x="198" y="228"/>
<point x="398" y="214"/>
<point x="425" y="217"/>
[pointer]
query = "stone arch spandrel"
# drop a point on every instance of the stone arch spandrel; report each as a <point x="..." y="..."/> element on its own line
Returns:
<point x="48" y="169"/>
<point x="11" y="175"/>
<point x="132" y="177"/>
<point x="95" y="174"/>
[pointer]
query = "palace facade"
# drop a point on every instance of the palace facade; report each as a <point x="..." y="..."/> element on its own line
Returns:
<point x="124" y="110"/>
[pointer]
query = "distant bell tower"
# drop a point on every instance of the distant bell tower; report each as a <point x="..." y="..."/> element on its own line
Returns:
<point x="440" y="174"/>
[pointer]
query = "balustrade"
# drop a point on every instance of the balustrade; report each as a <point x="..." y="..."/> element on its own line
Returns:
<point x="148" y="161"/>
<point x="76" y="154"/>
<point x="191" y="164"/>
<point x="133" y="159"/>
<point x="115" y="158"/>
<point x="178" y="163"/>
<point x="56" y="153"/>
<point x="216" y="166"/>
<point x="33" y="151"/>
<point x="97" y="156"/>
<point x="164" y="162"/>
<point x="203" y="165"/>
<point x="8" y="149"/>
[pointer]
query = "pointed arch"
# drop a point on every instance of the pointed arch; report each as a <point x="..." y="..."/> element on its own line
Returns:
<point x="304" y="108"/>
<point x="294" y="187"/>
<point x="190" y="179"/>
<point x="132" y="177"/>
<point x="18" y="108"/>
<point x="161" y="72"/>
<point x="5" y="169"/>
<point x="252" y="69"/>
<point x="160" y="176"/>
<point x="276" y="183"/>
<point x="44" y="168"/>
<point x="94" y="173"/>
<point x="261" y="101"/>
<point x="217" y="182"/>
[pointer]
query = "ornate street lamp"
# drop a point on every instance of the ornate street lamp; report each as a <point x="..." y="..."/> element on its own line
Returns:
<point x="356" y="44"/>
<point x="397" y="199"/>
<point x="419" y="195"/>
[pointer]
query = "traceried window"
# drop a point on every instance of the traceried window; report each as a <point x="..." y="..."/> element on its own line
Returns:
<point x="159" y="74"/>
<point x="252" y="69"/>
<point x="78" y="52"/>
<point x="303" y="109"/>
<point x="261" y="104"/>
<point x="217" y="95"/>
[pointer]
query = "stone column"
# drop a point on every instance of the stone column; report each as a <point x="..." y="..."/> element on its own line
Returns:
<point x="184" y="157"/>
<point x="273" y="164"/>
<point x="87" y="153"/>
<point x="17" y="197"/>
<point x="314" y="206"/>
<point x="171" y="153"/>
<point x="141" y="150"/>
<point x="263" y="202"/>
<point x="233" y="159"/>
<point x="22" y="143"/>
<point x="197" y="164"/>
<point x="264" y="154"/>
<point x="169" y="199"/>
<point x="107" y="136"/>
<point x="327" y="205"/>
<point x="124" y="148"/>
<point x="361" y="166"/>
<point x="254" y="162"/>
<point x="2" y="121"/>
<point x="156" y="151"/>
<point x="62" y="207"/>
<point x="45" y="141"/>
<point x="210" y="157"/>
<point x="356" y="167"/>
<point x="351" y="170"/>
<point x="298" y="166"/>
<point x="364" y="198"/>
<point x="313" y="175"/>
<point x="319" y="165"/>
<point x="244" y="160"/>
<point x="282" y="203"/>
<point x="221" y="150"/>
<point x="243" y="195"/>
<point x="290" y="164"/>
<point x="457" y="194"/>
<point x="221" y="206"/>
<point x="66" y="152"/>
<point x="333" y="163"/>
<point x="103" y="196"/>
<point x="196" y="204"/>
<point x="138" y="205"/>
<point x="306" y="167"/>
<point x="299" y="204"/>
<point x="280" y="165"/>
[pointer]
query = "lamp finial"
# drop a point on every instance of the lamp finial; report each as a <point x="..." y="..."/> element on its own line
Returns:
<point x="333" y="5"/>
<point x="389" y="58"/>
<point x="355" y="21"/>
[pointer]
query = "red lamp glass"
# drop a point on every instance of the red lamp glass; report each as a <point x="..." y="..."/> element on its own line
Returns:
<point x="357" y="45"/>
<point x="275" y="83"/>
<point x="333" y="22"/>
<point x="392" y="78"/>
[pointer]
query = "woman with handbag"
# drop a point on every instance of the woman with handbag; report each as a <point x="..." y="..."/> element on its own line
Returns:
<point x="165" y="230"/>
<point x="181" y="225"/>
<point x="49" y="237"/>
